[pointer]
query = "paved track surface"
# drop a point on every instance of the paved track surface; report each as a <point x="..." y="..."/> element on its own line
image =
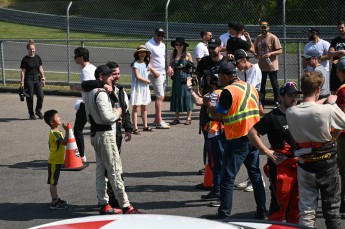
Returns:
<point x="160" y="170"/>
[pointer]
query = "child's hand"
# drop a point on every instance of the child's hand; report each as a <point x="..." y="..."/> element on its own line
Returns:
<point x="64" y="126"/>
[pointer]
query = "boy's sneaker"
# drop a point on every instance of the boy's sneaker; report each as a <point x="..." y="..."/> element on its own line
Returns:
<point x="61" y="201"/>
<point x="58" y="206"/>
<point x="210" y="196"/>
<point x="108" y="210"/>
<point x="163" y="125"/>
<point x="83" y="159"/>
<point x="244" y="184"/>
<point x="131" y="210"/>
<point x="215" y="203"/>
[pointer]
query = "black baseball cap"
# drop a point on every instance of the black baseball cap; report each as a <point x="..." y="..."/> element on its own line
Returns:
<point x="214" y="42"/>
<point x="159" y="30"/>
<point x="103" y="70"/>
<point x="313" y="30"/>
<point x="240" y="54"/>
<point x="227" y="68"/>
<point x="289" y="88"/>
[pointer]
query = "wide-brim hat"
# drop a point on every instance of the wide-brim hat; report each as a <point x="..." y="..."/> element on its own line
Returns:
<point x="141" y="48"/>
<point x="179" y="40"/>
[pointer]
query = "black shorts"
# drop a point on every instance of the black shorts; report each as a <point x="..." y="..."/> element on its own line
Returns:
<point x="53" y="173"/>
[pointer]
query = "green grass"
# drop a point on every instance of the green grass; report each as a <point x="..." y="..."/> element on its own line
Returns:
<point x="59" y="77"/>
<point x="19" y="31"/>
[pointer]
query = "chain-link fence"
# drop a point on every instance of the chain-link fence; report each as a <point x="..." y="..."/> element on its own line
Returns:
<point x="111" y="29"/>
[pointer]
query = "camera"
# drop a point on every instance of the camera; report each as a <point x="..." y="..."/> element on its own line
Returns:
<point x="212" y="75"/>
<point x="189" y="68"/>
<point x="23" y="94"/>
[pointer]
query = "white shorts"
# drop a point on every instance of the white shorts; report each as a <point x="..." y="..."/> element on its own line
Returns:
<point x="159" y="84"/>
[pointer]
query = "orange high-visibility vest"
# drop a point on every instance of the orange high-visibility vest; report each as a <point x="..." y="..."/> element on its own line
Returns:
<point x="244" y="110"/>
<point x="214" y="126"/>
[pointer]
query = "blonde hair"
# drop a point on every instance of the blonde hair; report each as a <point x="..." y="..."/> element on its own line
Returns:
<point x="31" y="42"/>
<point x="310" y="82"/>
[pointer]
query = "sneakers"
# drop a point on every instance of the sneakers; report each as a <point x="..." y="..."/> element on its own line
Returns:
<point x="131" y="210"/>
<point x="249" y="187"/>
<point x="83" y="159"/>
<point x="32" y="117"/>
<point x="215" y="203"/>
<point x="244" y="184"/>
<point x="201" y="171"/>
<point x="108" y="210"/>
<point x="260" y="215"/>
<point x="61" y="201"/>
<point x="163" y="125"/>
<point x="58" y="205"/>
<point x="40" y="115"/>
<point x="210" y="196"/>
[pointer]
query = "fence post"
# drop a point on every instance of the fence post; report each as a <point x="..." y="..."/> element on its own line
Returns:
<point x="284" y="35"/>
<point x="299" y="64"/>
<point x="68" y="48"/>
<point x="2" y="63"/>
<point x="166" y="38"/>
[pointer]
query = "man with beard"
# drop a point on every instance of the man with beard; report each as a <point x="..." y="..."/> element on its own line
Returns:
<point x="337" y="50"/>
<point x="268" y="47"/>
<point x="316" y="45"/>
<point x="282" y="164"/>
<point x="201" y="49"/>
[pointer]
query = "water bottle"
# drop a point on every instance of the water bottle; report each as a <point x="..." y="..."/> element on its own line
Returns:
<point x="268" y="60"/>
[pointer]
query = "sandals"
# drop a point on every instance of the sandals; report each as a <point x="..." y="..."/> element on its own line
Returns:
<point x="188" y="122"/>
<point x="175" y="122"/>
<point x="148" y="129"/>
<point x="136" y="132"/>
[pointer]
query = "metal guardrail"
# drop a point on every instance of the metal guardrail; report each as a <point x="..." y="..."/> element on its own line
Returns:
<point x="143" y="28"/>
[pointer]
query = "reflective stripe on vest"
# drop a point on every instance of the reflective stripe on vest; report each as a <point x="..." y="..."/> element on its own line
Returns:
<point x="244" y="111"/>
<point x="214" y="126"/>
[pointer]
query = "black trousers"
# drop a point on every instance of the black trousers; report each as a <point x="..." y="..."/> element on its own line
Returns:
<point x="32" y="86"/>
<point x="79" y="124"/>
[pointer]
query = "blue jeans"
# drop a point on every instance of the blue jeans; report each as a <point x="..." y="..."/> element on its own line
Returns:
<point x="215" y="149"/>
<point x="274" y="82"/>
<point x="237" y="152"/>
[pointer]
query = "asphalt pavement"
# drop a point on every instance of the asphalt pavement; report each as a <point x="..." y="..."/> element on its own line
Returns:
<point x="160" y="169"/>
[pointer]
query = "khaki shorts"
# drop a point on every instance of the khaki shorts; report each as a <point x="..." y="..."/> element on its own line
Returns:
<point x="159" y="84"/>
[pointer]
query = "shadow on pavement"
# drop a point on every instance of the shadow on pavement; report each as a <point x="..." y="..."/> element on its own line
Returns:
<point x="32" y="211"/>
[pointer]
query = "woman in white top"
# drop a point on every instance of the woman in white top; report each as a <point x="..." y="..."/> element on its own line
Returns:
<point x="140" y="91"/>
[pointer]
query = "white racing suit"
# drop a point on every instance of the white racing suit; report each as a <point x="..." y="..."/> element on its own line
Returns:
<point x="103" y="138"/>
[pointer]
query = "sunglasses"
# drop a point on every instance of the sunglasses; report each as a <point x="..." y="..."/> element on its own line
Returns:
<point x="177" y="44"/>
<point x="211" y="48"/>
<point x="160" y="35"/>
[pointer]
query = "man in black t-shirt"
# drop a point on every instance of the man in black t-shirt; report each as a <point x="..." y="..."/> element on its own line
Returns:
<point x="205" y="65"/>
<point x="282" y="164"/>
<point x="236" y="42"/>
<point x="336" y="50"/>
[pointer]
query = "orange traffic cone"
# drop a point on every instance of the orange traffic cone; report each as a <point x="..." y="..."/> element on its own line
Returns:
<point x="72" y="158"/>
<point x="208" y="177"/>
